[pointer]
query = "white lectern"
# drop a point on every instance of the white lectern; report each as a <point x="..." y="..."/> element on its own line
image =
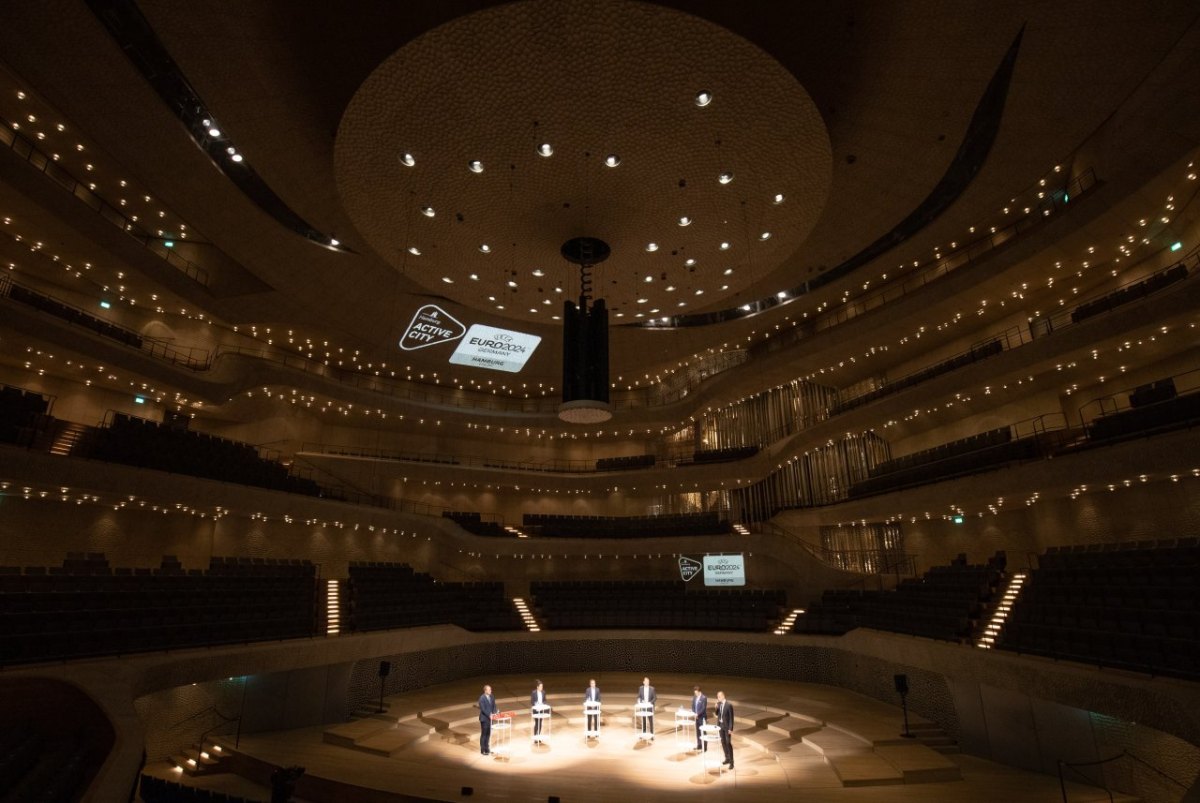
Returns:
<point x="539" y="714"/>
<point x="591" y="714"/>
<point x="710" y="735"/>
<point x="643" y="713"/>
<point x="685" y="728"/>
<point x="501" y="734"/>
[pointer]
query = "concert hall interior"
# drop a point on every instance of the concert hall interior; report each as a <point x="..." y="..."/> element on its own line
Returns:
<point x="841" y="357"/>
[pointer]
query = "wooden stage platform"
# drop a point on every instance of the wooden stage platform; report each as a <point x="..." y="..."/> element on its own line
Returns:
<point x="791" y="741"/>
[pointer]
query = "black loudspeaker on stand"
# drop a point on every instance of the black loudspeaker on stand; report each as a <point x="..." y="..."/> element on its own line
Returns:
<point x="901" y="682"/>
<point x="385" y="667"/>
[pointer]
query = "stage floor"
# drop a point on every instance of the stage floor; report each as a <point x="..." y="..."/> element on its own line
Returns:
<point x="791" y="740"/>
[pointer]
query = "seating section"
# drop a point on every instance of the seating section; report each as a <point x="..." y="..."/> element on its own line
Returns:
<point x="1153" y="407"/>
<point x="681" y="524"/>
<point x="146" y="444"/>
<point x="75" y="316"/>
<point x="158" y="790"/>
<point x="1131" y="293"/>
<point x="963" y="456"/>
<point x="84" y="608"/>
<point x="625" y="463"/>
<point x="22" y="412"/>
<point x="474" y="524"/>
<point x="569" y="605"/>
<point x="1132" y="605"/>
<point x="945" y="603"/>
<point x="976" y="353"/>
<point x="724" y="455"/>
<point x="390" y="595"/>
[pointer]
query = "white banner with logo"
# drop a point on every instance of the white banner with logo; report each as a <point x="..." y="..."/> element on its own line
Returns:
<point x="724" y="570"/>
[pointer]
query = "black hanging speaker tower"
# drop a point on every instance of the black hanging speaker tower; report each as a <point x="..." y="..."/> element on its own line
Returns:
<point x="585" y="398"/>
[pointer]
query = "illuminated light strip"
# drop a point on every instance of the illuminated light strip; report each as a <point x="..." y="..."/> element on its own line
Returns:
<point x="785" y="626"/>
<point x="741" y="529"/>
<point x="515" y="531"/>
<point x="333" y="608"/>
<point x="1000" y="614"/>
<point x="526" y="615"/>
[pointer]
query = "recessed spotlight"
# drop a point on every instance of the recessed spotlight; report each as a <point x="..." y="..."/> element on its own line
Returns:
<point x="778" y="198"/>
<point x="427" y="211"/>
<point x="648" y="279"/>
<point x="689" y="262"/>
<point x="533" y="309"/>
<point x="745" y="308"/>
<point x="447" y="280"/>
<point x="782" y="294"/>
<point x="766" y="235"/>
<point x="538" y="272"/>
<point x="642" y="300"/>
<point x="651" y="246"/>
<point x="214" y="132"/>
<point x="484" y="248"/>
<point x="724" y="246"/>
<point x="729" y="271"/>
<point x="407" y="159"/>
<point x="670" y="288"/>
<point x="685" y="221"/>
<point x="491" y="298"/>
<point x="703" y="98"/>
<point x="332" y="241"/>
<point x="512" y="284"/>
<point x="237" y="157"/>
<point x="547" y="301"/>
<point x="475" y="166"/>
<point x="412" y="249"/>
<point x="699" y="292"/>
<point x="612" y="160"/>
<point x="545" y="149"/>
<point x="681" y="304"/>
<point x="724" y="287"/>
<point x="474" y="277"/>
<point x="725" y="177"/>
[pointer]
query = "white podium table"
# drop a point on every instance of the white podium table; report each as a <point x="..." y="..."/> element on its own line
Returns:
<point x="591" y="714"/>
<point x="685" y="728"/>
<point x="710" y="735"/>
<point x="642" y="714"/>
<point x="501" y="744"/>
<point x="539" y="714"/>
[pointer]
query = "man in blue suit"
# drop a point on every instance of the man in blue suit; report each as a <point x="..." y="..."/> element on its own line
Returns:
<point x="487" y="707"/>
<point x="700" y="709"/>
<point x="592" y="695"/>
<point x="646" y="695"/>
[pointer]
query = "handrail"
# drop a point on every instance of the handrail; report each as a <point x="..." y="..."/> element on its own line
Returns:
<point x="24" y="147"/>
<point x="212" y="708"/>
<point x="1150" y="766"/>
<point x="1110" y="404"/>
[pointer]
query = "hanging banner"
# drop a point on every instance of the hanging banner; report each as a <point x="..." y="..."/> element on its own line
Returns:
<point x="430" y="326"/>
<point x="724" y="570"/>
<point x="497" y="349"/>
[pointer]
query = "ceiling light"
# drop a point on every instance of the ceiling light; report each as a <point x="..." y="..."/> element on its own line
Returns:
<point x="214" y="132"/>
<point x="237" y="157"/>
<point x="512" y="284"/>
<point x="642" y="300"/>
<point x="782" y="294"/>
<point x="745" y="308"/>
<point x="651" y="246"/>
<point x="729" y="271"/>
<point x="725" y="177"/>
<point x="427" y="211"/>
<point x="547" y="301"/>
<point x="474" y="277"/>
<point x="649" y="279"/>
<point x="539" y="272"/>
<point x="724" y="246"/>
<point x="407" y="159"/>
<point x="766" y="235"/>
<point x="703" y="98"/>
<point x="447" y="280"/>
<point x="545" y="149"/>
<point x="685" y="221"/>
<point x="412" y="249"/>
<point x="475" y="166"/>
<point x="484" y="248"/>
<point x="332" y="241"/>
<point x="612" y="160"/>
<point x="670" y="288"/>
<point x="689" y="262"/>
<point x="778" y="198"/>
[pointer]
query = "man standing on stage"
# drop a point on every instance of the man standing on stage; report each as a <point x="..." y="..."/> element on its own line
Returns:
<point x="725" y="723"/>
<point x="536" y="700"/>
<point x="592" y="695"/>
<point x="646" y="695"/>
<point x="487" y="707"/>
<point x="700" y="709"/>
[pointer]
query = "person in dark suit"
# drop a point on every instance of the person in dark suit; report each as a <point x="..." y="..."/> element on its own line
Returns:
<point x="592" y="695"/>
<point x="536" y="699"/>
<point x="700" y="709"/>
<point x="487" y="707"/>
<point x="725" y="723"/>
<point x="646" y="695"/>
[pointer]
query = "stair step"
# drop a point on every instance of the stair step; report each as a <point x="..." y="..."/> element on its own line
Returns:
<point x="830" y="742"/>
<point x="920" y="764"/>
<point x="865" y="769"/>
